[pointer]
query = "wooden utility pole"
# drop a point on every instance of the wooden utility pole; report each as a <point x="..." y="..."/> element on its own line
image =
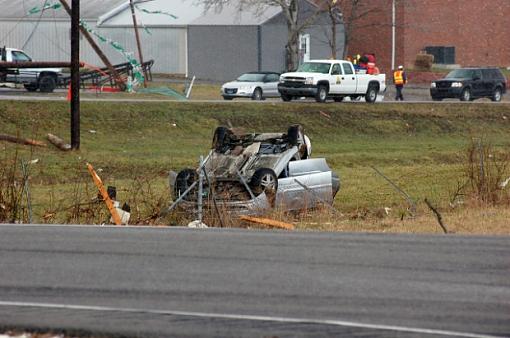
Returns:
<point x="118" y="80"/>
<point x="75" y="75"/>
<point x="137" y="34"/>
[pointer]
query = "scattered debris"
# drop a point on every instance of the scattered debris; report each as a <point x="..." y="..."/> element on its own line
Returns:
<point x="120" y="216"/>
<point x="58" y="142"/>
<point x="23" y="141"/>
<point x="326" y="115"/>
<point x="197" y="225"/>
<point x="503" y="184"/>
<point x="268" y="222"/>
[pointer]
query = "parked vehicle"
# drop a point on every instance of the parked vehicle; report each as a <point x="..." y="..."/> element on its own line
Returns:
<point x="468" y="84"/>
<point x="44" y="79"/>
<point x="255" y="85"/>
<point x="252" y="173"/>
<point x="336" y="79"/>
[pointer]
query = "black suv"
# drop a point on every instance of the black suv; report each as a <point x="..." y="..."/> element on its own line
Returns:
<point x="468" y="84"/>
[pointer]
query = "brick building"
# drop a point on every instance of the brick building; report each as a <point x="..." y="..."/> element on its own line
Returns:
<point x="463" y="32"/>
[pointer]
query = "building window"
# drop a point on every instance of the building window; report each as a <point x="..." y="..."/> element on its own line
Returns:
<point x="442" y="54"/>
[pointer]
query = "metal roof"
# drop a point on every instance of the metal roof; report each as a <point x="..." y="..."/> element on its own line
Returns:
<point x="231" y="16"/>
<point x="188" y="12"/>
<point x="89" y="9"/>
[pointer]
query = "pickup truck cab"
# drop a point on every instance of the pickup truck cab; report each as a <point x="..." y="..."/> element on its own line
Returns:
<point x="44" y="79"/>
<point x="336" y="79"/>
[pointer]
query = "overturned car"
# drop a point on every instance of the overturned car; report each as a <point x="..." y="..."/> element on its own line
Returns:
<point x="250" y="174"/>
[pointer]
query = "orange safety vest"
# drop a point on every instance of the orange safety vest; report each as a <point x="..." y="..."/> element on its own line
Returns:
<point x="398" y="77"/>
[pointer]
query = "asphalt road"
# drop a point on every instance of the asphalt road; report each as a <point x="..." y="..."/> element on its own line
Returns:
<point x="164" y="282"/>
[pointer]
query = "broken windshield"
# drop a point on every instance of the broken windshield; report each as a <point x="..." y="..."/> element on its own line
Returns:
<point x="314" y="67"/>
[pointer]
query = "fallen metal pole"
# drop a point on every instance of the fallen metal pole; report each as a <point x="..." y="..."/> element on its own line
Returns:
<point x="317" y="196"/>
<point x="397" y="188"/>
<point x="213" y="196"/>
<point x="139" y="44"/>
<point x="172" y="207"/>
<point x="245" y="184"/>
<point x="200" y="190"/>
<point x="118" y="80"/>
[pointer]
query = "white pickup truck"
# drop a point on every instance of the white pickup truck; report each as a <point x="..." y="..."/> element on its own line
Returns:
<point x="44" y="79"/>
<point x="336" y="79"/>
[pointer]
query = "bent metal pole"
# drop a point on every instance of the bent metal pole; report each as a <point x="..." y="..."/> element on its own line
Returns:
<point x="118" y="80"/>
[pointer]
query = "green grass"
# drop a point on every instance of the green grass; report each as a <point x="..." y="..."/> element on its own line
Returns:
<point x="419" y="146"/>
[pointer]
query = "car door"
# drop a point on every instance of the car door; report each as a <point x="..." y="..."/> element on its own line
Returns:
<point x="24" y="74"/>
<point x="335" y="79"/>
<point x="477" y="83"/>
<point x="270" y="86"/>
<point x="348" y="79"/>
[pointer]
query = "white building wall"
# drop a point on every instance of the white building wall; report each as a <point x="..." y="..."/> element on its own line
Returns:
<point x="51" y="42"/>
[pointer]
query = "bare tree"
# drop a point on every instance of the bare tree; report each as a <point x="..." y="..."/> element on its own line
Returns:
<point x="291" y="11"/>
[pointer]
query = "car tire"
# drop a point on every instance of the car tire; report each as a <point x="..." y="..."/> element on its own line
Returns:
<point x="338" y="99"/>
<point x="497" y="94"/>
<point x="31" y="87"/>
<point x="257" y="94"/>
<point x="221" y="139"/>
<point x="465" y="95"/>
<point x="371" y="95"/>
<point x="322" y="94"/>
<point x="228" y="98"/>
<point x="286" y="98"/>
<point x="185" y="178"/>
<point x="264" y="180"/>
<point x="294" y="133"/>
<point x="47" y="84"/>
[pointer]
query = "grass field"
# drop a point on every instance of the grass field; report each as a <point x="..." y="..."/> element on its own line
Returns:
<point x="420" y="147"/>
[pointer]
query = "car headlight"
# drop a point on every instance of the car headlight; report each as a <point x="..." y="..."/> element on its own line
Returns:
<point x="456" y="84"/>
<point x="433" y="85"/>
<point x="309" y="81"/>
<point x="282" y="79"/>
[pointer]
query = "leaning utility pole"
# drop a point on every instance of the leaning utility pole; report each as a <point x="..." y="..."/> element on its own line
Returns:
<point x="118" y="80"/>
<point x="75" y="75"/>
<point x="137" y="34"/>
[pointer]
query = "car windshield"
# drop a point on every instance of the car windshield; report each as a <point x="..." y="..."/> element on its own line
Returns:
<point x="251" y="77"/>
<point x="461" y="74"/>
<point x="314" y="67"/>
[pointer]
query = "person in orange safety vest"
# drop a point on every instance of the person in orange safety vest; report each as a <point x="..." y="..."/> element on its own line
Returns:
<point x="399" y="79"/>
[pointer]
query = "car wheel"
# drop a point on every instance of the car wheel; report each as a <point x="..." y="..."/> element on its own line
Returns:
<point x="496" y="96"/>
<point x="185" y="178"/>
<point x="47" y="84"/>
<point x="31" y="87"/>
<point x="322" y="94"/>
<point x="264" y="180"/>
<point x="221" y="139"/>
<point x="371" y="95"/>
<point x="338" y="99"/>
<point x="257" y="94"/>
<point x="465" y="95"/>
<point x="286" y="98"/>
<point x="228" y="98"/>
<point x="294" y="133"/>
